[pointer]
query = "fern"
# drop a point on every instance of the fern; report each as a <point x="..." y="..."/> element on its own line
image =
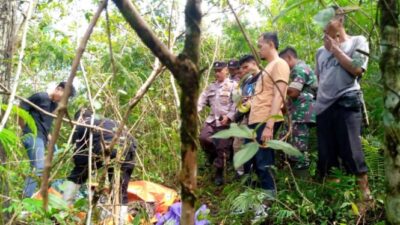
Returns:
<point x="24" y="115"/>
<point x="249" y="199"/>
<point x="8" y="139"/>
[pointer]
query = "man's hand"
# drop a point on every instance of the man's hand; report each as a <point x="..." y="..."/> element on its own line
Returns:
<point x="330" y="43"/>
<point x="267" y="134"/>
<point x="225" y="121"/>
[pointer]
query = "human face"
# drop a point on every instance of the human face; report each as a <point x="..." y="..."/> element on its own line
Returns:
<point x="220" y="74"/>
<point x="248" y="67"/>
<point x="264" y="48"/>
<point x="333" y="27"/>
<point x="57" y="94"/>
<point x="233" y="71"/>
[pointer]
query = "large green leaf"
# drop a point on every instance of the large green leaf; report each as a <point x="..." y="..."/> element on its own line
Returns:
<point x="324" y="16"/>
<point x="8" y="139"/>
<point x="245" y="154"/>
<point x="285" y="147"/>
<point x="235" y="131"/>
<point x="24" y="115"/>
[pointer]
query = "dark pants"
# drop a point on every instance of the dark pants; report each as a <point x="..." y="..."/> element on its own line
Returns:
<point x="339" y="136"/>
<point x="79" y="173"/>
<point x="262" y="160"/>
<point x="217" y="150"/>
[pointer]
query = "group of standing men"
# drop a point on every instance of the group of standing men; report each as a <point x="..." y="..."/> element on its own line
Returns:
<point x="328" y="96"/>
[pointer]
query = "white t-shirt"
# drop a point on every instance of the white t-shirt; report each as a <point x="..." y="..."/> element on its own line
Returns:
<point x="333" y="79"/>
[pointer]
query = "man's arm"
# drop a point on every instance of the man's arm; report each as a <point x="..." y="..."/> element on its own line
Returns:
<point x="230" y="116"/>
<point x="277" y="102"/>
<point x="202" y="101"/>
<point x="35" y="99"/>
<point x="293" y="92"/>
<point x="345" y="61"/>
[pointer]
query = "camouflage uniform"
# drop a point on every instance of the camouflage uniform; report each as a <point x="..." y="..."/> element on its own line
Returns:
<point x="219" y="97"/>
<point x="301" y="110"/>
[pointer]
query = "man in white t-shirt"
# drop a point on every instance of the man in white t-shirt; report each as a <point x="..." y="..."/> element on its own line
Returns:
<point x="339" y="65"/>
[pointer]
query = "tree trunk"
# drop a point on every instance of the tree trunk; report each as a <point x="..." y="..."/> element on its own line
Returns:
<point x="8" y="10"/>
<point x="390" y="67"/>
<point x="189" y="134"/>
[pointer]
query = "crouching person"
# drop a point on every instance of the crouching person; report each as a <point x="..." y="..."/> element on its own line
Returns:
<point x="101" y="138"/>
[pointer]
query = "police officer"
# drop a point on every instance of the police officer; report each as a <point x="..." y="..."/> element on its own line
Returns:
<point x="101" y="139"/>
<point x="234" y="70"/>
<point x="218" y="96"/>
<point x="301" y="101"/>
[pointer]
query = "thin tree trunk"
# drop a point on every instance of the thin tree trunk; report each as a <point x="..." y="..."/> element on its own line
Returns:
<point x="8" y="17"/>
<point x="390" y="67"/>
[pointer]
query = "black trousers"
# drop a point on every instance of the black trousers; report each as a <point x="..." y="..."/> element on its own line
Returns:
<point x="339" y="137"/>
<point x="79" y="173"/>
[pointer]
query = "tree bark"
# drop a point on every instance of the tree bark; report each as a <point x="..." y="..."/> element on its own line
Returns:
<point x="390" y="67"/>
<point x="8" y="24"/>
<point x="184" y="67"/>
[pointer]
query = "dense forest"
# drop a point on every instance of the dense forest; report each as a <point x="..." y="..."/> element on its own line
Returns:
<point x="144" y="65"/>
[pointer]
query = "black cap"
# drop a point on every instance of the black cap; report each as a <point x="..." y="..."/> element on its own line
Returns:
<point x="219" y="65"/>
<point x="233" y="63"/>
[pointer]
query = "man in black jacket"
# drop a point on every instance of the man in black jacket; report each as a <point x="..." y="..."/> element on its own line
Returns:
<point x="101" y="139"/>
<point x="35" y="145"/>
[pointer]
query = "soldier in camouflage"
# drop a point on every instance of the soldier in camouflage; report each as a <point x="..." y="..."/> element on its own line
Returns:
<point x="218" y="96"/>
<point x="301" y="101"/>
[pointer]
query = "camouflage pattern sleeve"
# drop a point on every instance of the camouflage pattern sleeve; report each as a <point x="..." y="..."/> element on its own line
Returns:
<point x="298" y="77"/>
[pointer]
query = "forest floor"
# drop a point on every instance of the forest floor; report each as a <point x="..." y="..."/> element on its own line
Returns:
<point x="299" y="200"/>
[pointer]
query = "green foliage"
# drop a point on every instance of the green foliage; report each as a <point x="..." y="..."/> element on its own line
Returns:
<point x="8" y="139"/>
<point x="246" y="152"/>
<point x="324" y="16"/>
<point x="235" y="130"/>
<point x="287" y="148"/>
<point x="24" y="115"/>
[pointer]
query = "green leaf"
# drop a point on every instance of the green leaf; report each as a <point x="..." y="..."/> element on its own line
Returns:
<point x="24" y="115"/>
<point x="355" y="209"/>
<point x="245" y="154"/>
<point x="8" y="139"/>
<point x="136" y="221"/>
<point x="234" y="131"/>
<point x="293" y="6"/>
<point x="57" y="202"/>
<point x="324" y="16"/>
<point x="285" y="147"/>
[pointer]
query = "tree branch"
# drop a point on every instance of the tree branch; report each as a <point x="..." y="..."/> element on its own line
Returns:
<point x="146" y="34"/>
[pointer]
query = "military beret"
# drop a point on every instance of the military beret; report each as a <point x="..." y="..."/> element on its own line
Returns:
<point x="219" y="65"/>
<point x="233" y="63"/>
